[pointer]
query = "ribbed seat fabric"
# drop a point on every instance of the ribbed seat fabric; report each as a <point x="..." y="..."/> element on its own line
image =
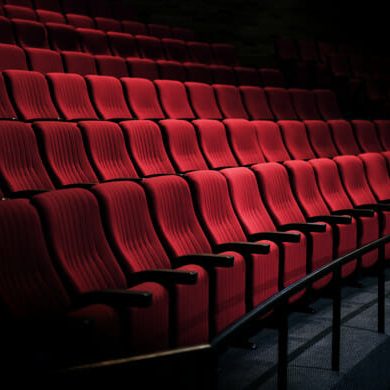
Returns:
<point x="230" y="102"/>
<point x="80" y="21"/>
<point x="304" y="104"/>
<point x="142" y="68"/>
<point x="6" y="109"/>
<point x="80" y="63"/>
<point x="122" y="44"/>
<point x="175" y="49"/>
<point x="108" y="65"/>
<point x="108" y="24"/>
<point x="200" y="52"/>
<point x="44" y="60"/>
<point x="138" y="248"/>
<point x="71" y="96"/>
<point x="146" y="147"/>
<point x="366" y="136"/>
<point x="21" y="166"/>
<point x="149" y="47"/>
<point x="383" y="127"/>
<point x="256" y="103"/>
<point x="180" y="228"/>
<point x="203" y="100"/>
<point x="182" y="145"/>
<point x="171" y="70"/>
<point x="94" y="41"/>
<point x="321" y="138"/>
<point x="63" y="37"/>
<point x="107" y="150"/>
<point x="344" y="137"/>
<point x="327" y="104"/>
<point x="30" y="33"/>
<point x="197" y="72"/>
<point x="65" y="154"/>
<point x="280" y="103"/>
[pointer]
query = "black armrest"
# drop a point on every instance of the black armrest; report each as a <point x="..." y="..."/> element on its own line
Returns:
<point x="136" y="179"/>
<point x="277" y="237"/>
<point x="87" y="186"/>
<point x="375" y="206"/>
<point x="304" y="227"/>
<point x="332" y="219"/>
<point x="355" y="212"/>
<point x="115" y="298"/>
<point x="206" y="260"/>
<point x="166" y="277"/>
<point x="25" y="194"/>
<point x="245" y="248"/>
<point x="385" y="201"/>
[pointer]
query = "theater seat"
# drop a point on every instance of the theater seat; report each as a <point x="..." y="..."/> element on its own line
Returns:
<point x="383" y="127"/>
<point x="108" y="24"/>
<point x="80" y="20"/>
<point x="19" y="12"/>
<point x="223" y="74"/>
<point x="304" y="104"/>
<point x="133" y="27"/>
<point x="280" y="103"/>
<point x="321" y="138"/>
<point x="224" y="53"/>
<point x="159" y="30"/>
<point x="171" y="70"/>
<point x="197" y="72"/>
<point x="149" y="47"/>
<point x="94" y="41"/>
<point x="344" y="137"/>
<point x="44" y="60"/>
<point x="175" y="49"/>
<point x="366" y="136"/>
<point x="122" y="44"/>
<point x="12" y="57"/>
<point x="256" y="103"/>
<point x="203" y="100"/>
<point x="63" y="37"/>
<point x="247" y="76"/>
<point x="80" y="63"/>
<point x="327" y="104"/>
<point x="30" y="33"/>
<point x="6" y="31"/>
<point x="108" y="65"/>
<point x="200" y="52"/>
<point x="186" y="34"/>
<point x="6" y="109"/>
<point x="46" y="16"/>
<point x="230" y="102"/>
<point x="142" y="68"/>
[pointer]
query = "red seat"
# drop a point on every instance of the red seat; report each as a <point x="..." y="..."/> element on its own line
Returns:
<point x="383" y="127"/>
<point x="186" y="34"/>
<point x="30" y="33"/>
<point x="12" y="57"/>
<point x="256" y="103"/>
<point x="230" y="102"/>
<point x="77" y="20"/>
<point x="94" y="41"/>
<point x="304" y="104"/>
<point x="6" y="109"/>
<point x="111" y="66"/>
<point x="171" y="70"/>
<point x="80" y="63"/>
<point x="327" y="104"/>
<point x="159" y="30"/>
<point x="366" y="136"/>
<point x="200" y="73"/>
<point x="133" y="27"/>
<point x="142" y="68"/>
<point x="44" y="60"/>
<point x="175" y="49"/>
<point x="224" y="53"/>
<point x="272" y="77"/>
<point x="108" y="24"/>
<point x="6" y="31"/>
<point x="203" y="100"/>
<point x="344" y="137"/>
<point x="149" y="47"/>
<point x="200" y="52"/>
<point x="223" y="74"/>
<point x="321" y="138"/>
<point x="280" y="103"/>
<point x="122" y="44"/>
<point x="63" y="37"/>
<point x="45" y="16"/>
<point x="17" y="12"/>
<point x="247" y="76"/>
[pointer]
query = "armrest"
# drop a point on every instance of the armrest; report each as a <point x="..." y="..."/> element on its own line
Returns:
<point x="206" y="260"/>
<point x="115" y="298"/>
<point x="136" y="179"/>
<point x="277" y="237"/>
<point x="375" y="206"/>
<point x="166" y="277"/>
<point x="332" y="219"/>
<point x="245" y="248"/>
<point x="25" y="194"/>
<point x="304" y="227"/>
<point x="87" y="186"/>
<point x="355" y="212"/>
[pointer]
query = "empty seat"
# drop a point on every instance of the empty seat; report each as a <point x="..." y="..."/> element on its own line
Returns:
<point x="51" y="5"/>
<point x="45" y="16"/>
<point x="271" y="141"/>
<point x="12" y="57"/>
<point x="75" y="6"/>
<point x="229" y="101"/>
<point x="64" y="153"/>
<point x="6" y="109"/>
<point x="243" y="141"/>
<point x="142" y="98"/>
<point x="327" y="104"/>
<point x="44" y="60"/>
<point x="280" y="103"/>
<point x="77" y="20"/>
<point x="198" y="72"/>
<point x="304" y="104"/>
<point x="182" y="145"/>
<point x="296" y="140"/>
<point x="200" y="52"/>
<point x="383" y="127"/>
<point x="107" y="149"/>
<point x="71" y="96"/>
<point x="142" y="68"/>
<point x="111" y="66"/>
<point x="247" y="76"/>
<point x="133" y="27"/>
<point x="94" y="41"/>
<point x="214" y="143"/>
<point x="186" y="34"/>
<point x="175" y="49"/>
<point x="272" y="77"/>
<point x="146" y="147"/>
<point x="159" y="30"/>
<point x="256" y="103"/>
<point x="344" y="137"/>
<point x="149" y="47"/>
<point x="107" y="24"/>
<point x="366" y="136"/>
<point x="21" y="167"/>
<point x="223" y="74"/>
<point x="321" y="138"/>
<point x="63" y="37"/>
<point x="31" y="95"/>
<point x="30" y="33"/>
<point x="224" y="53"/>
<point x="17" y="12"/>
<point x="171" y="70"/>
<point x="122" y="44"/>
<point x="107" y="96"/>
<point x="80" y="63"/>
<point x="6" y="31"/>
<point x="174" y="99"/>
<point x="203" y="100"/>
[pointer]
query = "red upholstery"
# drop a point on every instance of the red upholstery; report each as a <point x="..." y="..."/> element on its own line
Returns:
<point x="327" y="104"/>
<point x="80" y="63"/>
<point x="44" y="60"/>
<point x="247" y="76"/>
<point x="224" y="53"/>
<point x="223" y="74"/>
<point x="111" y="66"/>
<point x="344" y="137"/>
<point x="200" y="52"/>
<point x="46" y="16"/>
<point x="383" y="127"/>
<point x="230" y="102"/>
<point x="142" y="68"/>
<point x="108" y="24"/>
<point x="52" y="5"/>
<point x="6" y="109"/>
<point x="17" y="12"/>
<point x="256" y="103"/>
<point x="75" y="6"/>
<point x="12" y="57"/>
<point x="280" y="103"/>
<point x="175" y="49"/>
<point x="304" y="103"/>
<point x="200" y="73"/>
<point x="149" y="47"/>
<point x="321" y="138"/>
<point x="133" y="27"/>
<point x="366" y="136"/>
<point x="6" y="31"/>
<point x="30" y="33"/>
<point x="77" y="20"/>
<point x="122" y="44"/>
<point x="94" y="41"/>
<point x="63" y="37"/>
<point x="171" y="70"/>
<point x="203" y="100"/>
<point x="159" y="30"/>
<point x="272" y="77"/>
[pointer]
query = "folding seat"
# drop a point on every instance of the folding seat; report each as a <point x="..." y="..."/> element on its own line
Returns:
<point x="321" y="138"/>
<point x="327" y="104"/>
<point x="377" y="175"/>
<point x="182" y="145"/>
<point x="200" y="52"/>
<point x="82" y="21"/>
<point x="142" y="68"/>
<point x="271" y="141"/>
<point x="12" y="57"/>
<point x="63" y="37"/>
<point x="174" y="100"/>
<point x="108" y="65"/>
<point x="142" y="98"/>
<point x="71" y="96"/>
<point x="183" y="33"/>
<point x="247" y="76"/>
<point x="272" y="77"/>
<point x="140" y="250"/>
<point x="304" y="104"/>
<point x="30" y="33"/>
<point x="94" y="41"/>
<point x="108" y="24"/>
<point x="308" y="50"/>
<point x="223" y="74"/>
<point x="216" y="211"/>
<point x="315" y="210"/>
<point x="171" y="70"/>
<point x="287" y="214"/>
<point x="21" y="3"/>
<point x="203" y="100"/>
<point x="31" y="95"/>
<point x="338" y="202"/>
<point x="149" y="47"/>
<point x="200" y="73"/>
<point x="256" y="103"/>
<point x="181" y="231"/>
<point x="133" y="27"/>
<point x="344" y="137"/>
<point x="280" y="103"/>
<point x="159" y="30"/>
<point x="84" y="257"/>
<point x="75" y="6"/>
<point x="175" y="49"/>
<point x="21" y="167"/>
<point x="366" y="136"/>
<point x="107" y="150"/>
<point x="383" y="127"/>
<point x="6" y="31"/>
<point x="146" y="146"/>
<point x="45" y="16"/>
<point x="51" y="5"/>
<point x="230" y="102"/>
<point x="122" y="44"/>
<point x="44" y="60"/>
<point x="257" y="224"/>
<point x="296" y="140"/>
<point x="80" y="63"/>
<point x="107" y="96"/>
<point x="6" y="109"/>
<point x="17" y="12"/>
<point x="64" y="153"/>
<point x="243" y="141"/>
<point x="353" y="176"/>
<point x="214" y="143"/>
